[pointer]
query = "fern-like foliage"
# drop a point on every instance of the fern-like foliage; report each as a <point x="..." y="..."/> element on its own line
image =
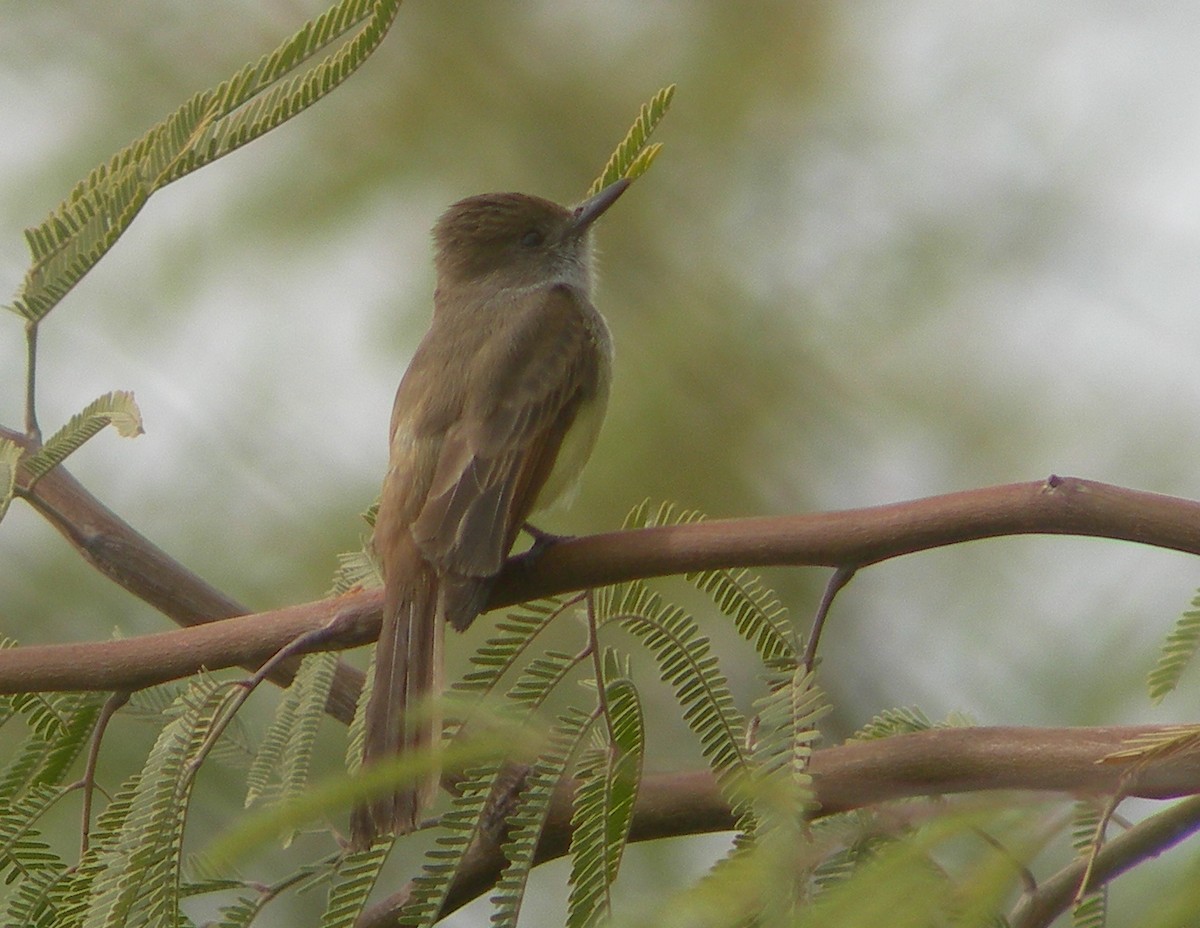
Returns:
<point x="609" y="775"/>
<point x="211" y="124"/>
<point x="241" y="913"/>
<point x="901" y="720"/>
<point x="515" y="636"/>
<point x="355" y="570"/>
<point x="117" y="409"/>
<point x="60" y="724"/>
<point x="687" y="663"/>
<point x="32" y="902"/>
<point x="904" y="720"/>
<point x="774" y="832"/>
<point x="1156" y="744"/>
<point x="22" y="851"/>
<point x="901" y="877"/>
<point x="758" y="615"/>
<point x="280" y="768"/>
<point x="542" y="676"/>
<point x="634" y="156"/>
<point x="355" y="878"/>
<point x="138" y="863"/>
<point x="529" y="818"/>
<point x="1177" y="652"/>
<point x="784" y="736"/>
<point x="10" y="454"/>
<point x="1087" y="837"/>
<point x="462" y="825"/>
<point x="358" y="569"/>
<point x="74" y="898"/>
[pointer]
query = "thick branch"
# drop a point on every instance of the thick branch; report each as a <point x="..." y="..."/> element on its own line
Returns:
<point x="858" y="537"/>
<point x="1147" y="839"/>
<point x="853" y="537"/>
<point x="851" y="776"/>
<point x="847" y="777"/>
<point x="135" y="563"/>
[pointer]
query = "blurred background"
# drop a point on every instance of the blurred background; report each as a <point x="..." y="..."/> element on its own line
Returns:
<point x="889" y="250"/>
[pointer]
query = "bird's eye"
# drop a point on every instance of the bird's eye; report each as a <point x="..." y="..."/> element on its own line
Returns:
<point x="532" y="238"/>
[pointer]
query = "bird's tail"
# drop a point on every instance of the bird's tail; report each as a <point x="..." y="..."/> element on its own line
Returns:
<point x="401" y="716"/>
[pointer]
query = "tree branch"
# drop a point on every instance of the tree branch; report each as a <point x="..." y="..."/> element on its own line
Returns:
<point x="1147" y="839"/>
<point x="846" y="777"/>
<point x="851" y="776"/>
<point x="1059" y="506"/>
<point x="139" y="566"/>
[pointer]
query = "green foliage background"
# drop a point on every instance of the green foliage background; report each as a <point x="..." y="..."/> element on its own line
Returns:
<point x="888" y="252"/>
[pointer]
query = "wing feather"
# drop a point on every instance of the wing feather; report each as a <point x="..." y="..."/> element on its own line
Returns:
<point x="495" y="458"/>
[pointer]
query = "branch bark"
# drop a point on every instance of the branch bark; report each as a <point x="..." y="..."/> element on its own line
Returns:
<point x="846" y="777"/>
<point x="851" y="776"/>
<point x="136" y="564"/>
<point x="859" y="537"/>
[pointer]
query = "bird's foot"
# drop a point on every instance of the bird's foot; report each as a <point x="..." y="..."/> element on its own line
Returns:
<point x="542" y="540"/>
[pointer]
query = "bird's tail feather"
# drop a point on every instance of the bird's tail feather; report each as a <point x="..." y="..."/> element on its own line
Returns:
<point x="401" y="715"/>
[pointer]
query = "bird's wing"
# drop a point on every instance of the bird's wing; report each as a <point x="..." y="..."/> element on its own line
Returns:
<point x="495" y="458"/>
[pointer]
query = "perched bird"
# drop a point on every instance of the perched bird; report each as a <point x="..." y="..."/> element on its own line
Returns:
<point x="494" y="419"/>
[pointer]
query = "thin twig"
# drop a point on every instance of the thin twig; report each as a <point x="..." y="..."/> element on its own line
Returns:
<point x="841" y="576"/>
<point x="32" y="431"/>
<point x="1148" y="838"/>
<point x="309" y="641"/>
<point x="107" y="711"/>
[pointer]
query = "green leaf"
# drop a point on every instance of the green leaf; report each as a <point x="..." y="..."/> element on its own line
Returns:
<point x="60" y="726"/>
<point x="10" y="454"/>
<point x="117" y="409"/>
<point x="787" y="728"/>
<point x="280" y="769"/>
<point x="516" y="636"/>
<point x="529" y="818"/>
<point x="21" y="849"/>
<point x="609" y="776"/>
<point x="335" y="794"/>
<point x="1177" y="653"/>
<point x="137" y="878"/>
<point x="210" y="125"/>
<point x="357" y="569"/>
<point x="686" y="662"/>
<point x="1087" y="838"/>
<point x="355" y="879"/>
<point x="633" y="157"/>
<point x="461" y="826"/>
<point x="241" y="912"/>
<point x="759" y="616"/>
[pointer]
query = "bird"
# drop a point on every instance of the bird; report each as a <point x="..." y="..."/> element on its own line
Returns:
<point x="493" y="420"/>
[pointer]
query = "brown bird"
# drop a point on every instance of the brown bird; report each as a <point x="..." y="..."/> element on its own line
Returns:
<point x="494" y="419"/>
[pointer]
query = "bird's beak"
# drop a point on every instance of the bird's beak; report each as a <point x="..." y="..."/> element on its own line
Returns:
<point x="593" y="208"/>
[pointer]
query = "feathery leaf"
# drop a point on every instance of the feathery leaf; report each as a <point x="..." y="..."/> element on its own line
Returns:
<point x="1087" y="838"/>
<point x="117" y="409"/>
<point x="686" y="662"/>
<point x="759" y="616"/>
<point x="462" y="826"/>
<point x="280" y="770"/>
<point x="21" y="849"/>
<point x="529" y="818"/>
<point x="609" y="776"/>
<point x="60" y="726"/>
<point x="10" y="454"/>
<point x="1177" y="653"/>
<point x="633" y="157"/>
<point x="137" y="877"/>
<point x="213" y="123"/>
<point x="355" y="879"/>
